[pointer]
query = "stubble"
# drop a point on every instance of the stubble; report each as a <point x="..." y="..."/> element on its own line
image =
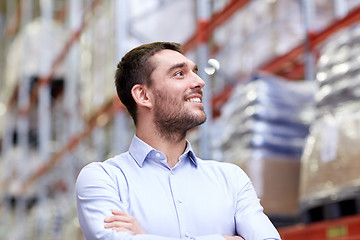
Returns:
<point x="172" y="120"/>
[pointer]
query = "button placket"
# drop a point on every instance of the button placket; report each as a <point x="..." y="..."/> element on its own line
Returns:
<point x="187" y="235"/>
<point x="178" y="200"/>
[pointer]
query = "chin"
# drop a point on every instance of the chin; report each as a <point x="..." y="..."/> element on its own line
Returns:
<point x="202" y="119"/>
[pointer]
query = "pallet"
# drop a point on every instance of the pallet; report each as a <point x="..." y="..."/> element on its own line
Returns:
<point x="334" y="207"/>
<point x="281" y="221"/>
<point x="346" y="228"/>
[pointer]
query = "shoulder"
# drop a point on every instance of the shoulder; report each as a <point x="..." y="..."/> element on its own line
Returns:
<point x="225" y="166"/>
<point x="108" y="170"/>
<point x="229" y="171"/>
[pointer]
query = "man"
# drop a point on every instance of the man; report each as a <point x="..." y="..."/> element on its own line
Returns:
<point x="159" y="189"/>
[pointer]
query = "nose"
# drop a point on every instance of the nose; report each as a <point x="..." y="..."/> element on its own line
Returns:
<point x="197" y="82"/>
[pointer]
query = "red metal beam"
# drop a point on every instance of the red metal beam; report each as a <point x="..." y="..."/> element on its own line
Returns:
<point x="215" y="21"/>
<point x="289" y="65"/>
<point x="351" y="18"/>
<point x="276" y="65"/>
<point x="346" y="228"/>
<point x="294" y="72"/>
<point x="113" y="106"/>
<point x="60" y="58"/>
<point x="220" y="99"/>
<point x="107" y="111"/>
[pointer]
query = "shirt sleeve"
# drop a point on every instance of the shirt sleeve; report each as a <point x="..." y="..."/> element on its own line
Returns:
<point x="251" y="222"/>
<point x="97" y="193"/>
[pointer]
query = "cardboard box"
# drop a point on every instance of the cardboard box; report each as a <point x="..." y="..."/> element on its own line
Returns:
<point x="331" y="159"/>
<point x="276" y="181"/>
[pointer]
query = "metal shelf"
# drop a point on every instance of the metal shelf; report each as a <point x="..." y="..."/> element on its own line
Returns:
<point x="292" y="60"/>
<point x="346" y="228"/>
<point x="291" y="64"/>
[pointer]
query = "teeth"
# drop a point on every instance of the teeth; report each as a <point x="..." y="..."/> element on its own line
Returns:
<point x="194" y="100"/>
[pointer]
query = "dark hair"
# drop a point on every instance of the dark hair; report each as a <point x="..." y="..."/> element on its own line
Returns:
<point x="135" y="68"/>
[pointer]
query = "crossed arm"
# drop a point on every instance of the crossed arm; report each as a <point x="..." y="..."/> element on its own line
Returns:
<point x="97" y="194"/>
<point x="121" y="221"/>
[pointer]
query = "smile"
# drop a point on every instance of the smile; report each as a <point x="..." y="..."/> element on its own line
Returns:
<point x="198" y="100"/>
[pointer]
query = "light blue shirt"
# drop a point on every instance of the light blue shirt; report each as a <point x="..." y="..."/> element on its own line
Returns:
<point x="196" y="199"/>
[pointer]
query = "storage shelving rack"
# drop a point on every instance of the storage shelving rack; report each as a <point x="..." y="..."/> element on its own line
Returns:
<point x="289" y="65"/>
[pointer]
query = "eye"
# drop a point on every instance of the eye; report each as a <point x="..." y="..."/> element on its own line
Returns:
<point x="179" y="74"/>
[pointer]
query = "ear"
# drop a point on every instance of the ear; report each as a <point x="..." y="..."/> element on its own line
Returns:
<point x="140" y="94"/>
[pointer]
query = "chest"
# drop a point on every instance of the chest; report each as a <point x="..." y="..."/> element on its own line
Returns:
<point x="173" y="203"/>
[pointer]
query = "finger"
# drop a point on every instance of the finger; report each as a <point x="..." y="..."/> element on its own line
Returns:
<point x="119" y="225"/>
<point x="117" y="218"/>
<point x="118" y="212"/>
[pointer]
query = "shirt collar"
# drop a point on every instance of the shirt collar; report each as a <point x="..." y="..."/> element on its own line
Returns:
<point x="139" y="150"/>
<point x="190" y="153"/>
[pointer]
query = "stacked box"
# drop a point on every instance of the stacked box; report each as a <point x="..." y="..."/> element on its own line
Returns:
<point x="268" y="121"/>
<point x="280" y="179"/>
<point x="330" y="163"/>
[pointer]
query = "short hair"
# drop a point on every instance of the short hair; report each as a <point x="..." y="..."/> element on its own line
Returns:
<point x="135" y="68"/>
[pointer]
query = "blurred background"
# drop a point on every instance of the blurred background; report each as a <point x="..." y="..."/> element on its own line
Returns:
<point x="282" y="98"/>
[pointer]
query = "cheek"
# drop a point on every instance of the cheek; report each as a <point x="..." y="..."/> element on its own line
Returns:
<point x="177" y="87"/>
<point x="170" y="95"/>
<point x="168" y="101"/>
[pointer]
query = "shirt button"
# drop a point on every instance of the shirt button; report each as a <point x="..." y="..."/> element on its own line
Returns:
<point x="187" y="234"/>
<point x="157" y="154"/>
<point x="172" y="172"/>
<point x="180" y="201"/>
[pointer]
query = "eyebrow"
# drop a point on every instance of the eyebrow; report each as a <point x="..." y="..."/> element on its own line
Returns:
<point x="181" y="65"/>
<point x="177" y="65"/>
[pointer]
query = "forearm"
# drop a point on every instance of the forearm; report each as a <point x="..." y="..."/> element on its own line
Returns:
<point x="251" y="222"/>
<point x="121" y="221"/>
<point x="156" y="237"/>
<point x="113" y="235"/>
<point x="94" y="230"/>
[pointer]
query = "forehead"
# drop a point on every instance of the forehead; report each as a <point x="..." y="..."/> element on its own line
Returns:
<point x="166" y="58"/>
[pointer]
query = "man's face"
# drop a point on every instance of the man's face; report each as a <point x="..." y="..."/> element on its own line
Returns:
<point x="177" y="93"/>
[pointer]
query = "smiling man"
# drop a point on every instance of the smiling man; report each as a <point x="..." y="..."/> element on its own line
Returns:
<point x="159" y="189"/>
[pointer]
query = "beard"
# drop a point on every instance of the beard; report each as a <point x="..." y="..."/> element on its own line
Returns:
<point x="172" y="119"/>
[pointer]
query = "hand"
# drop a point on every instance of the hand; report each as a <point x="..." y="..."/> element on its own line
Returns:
<point x="121" y="221"/>
<point x="232" y="237"/>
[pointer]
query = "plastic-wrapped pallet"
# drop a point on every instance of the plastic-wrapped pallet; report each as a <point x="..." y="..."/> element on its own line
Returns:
<point x="330" y="164"/>
<point x="339" y="71"/>
<point x="331" y="160"/>
<point x="268" y="121"/>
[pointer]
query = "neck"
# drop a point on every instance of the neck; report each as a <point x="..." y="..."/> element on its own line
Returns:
<point x="171" y="145"/>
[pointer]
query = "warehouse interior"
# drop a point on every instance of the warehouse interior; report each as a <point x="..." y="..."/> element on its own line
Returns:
<point x="282" y="98"/>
